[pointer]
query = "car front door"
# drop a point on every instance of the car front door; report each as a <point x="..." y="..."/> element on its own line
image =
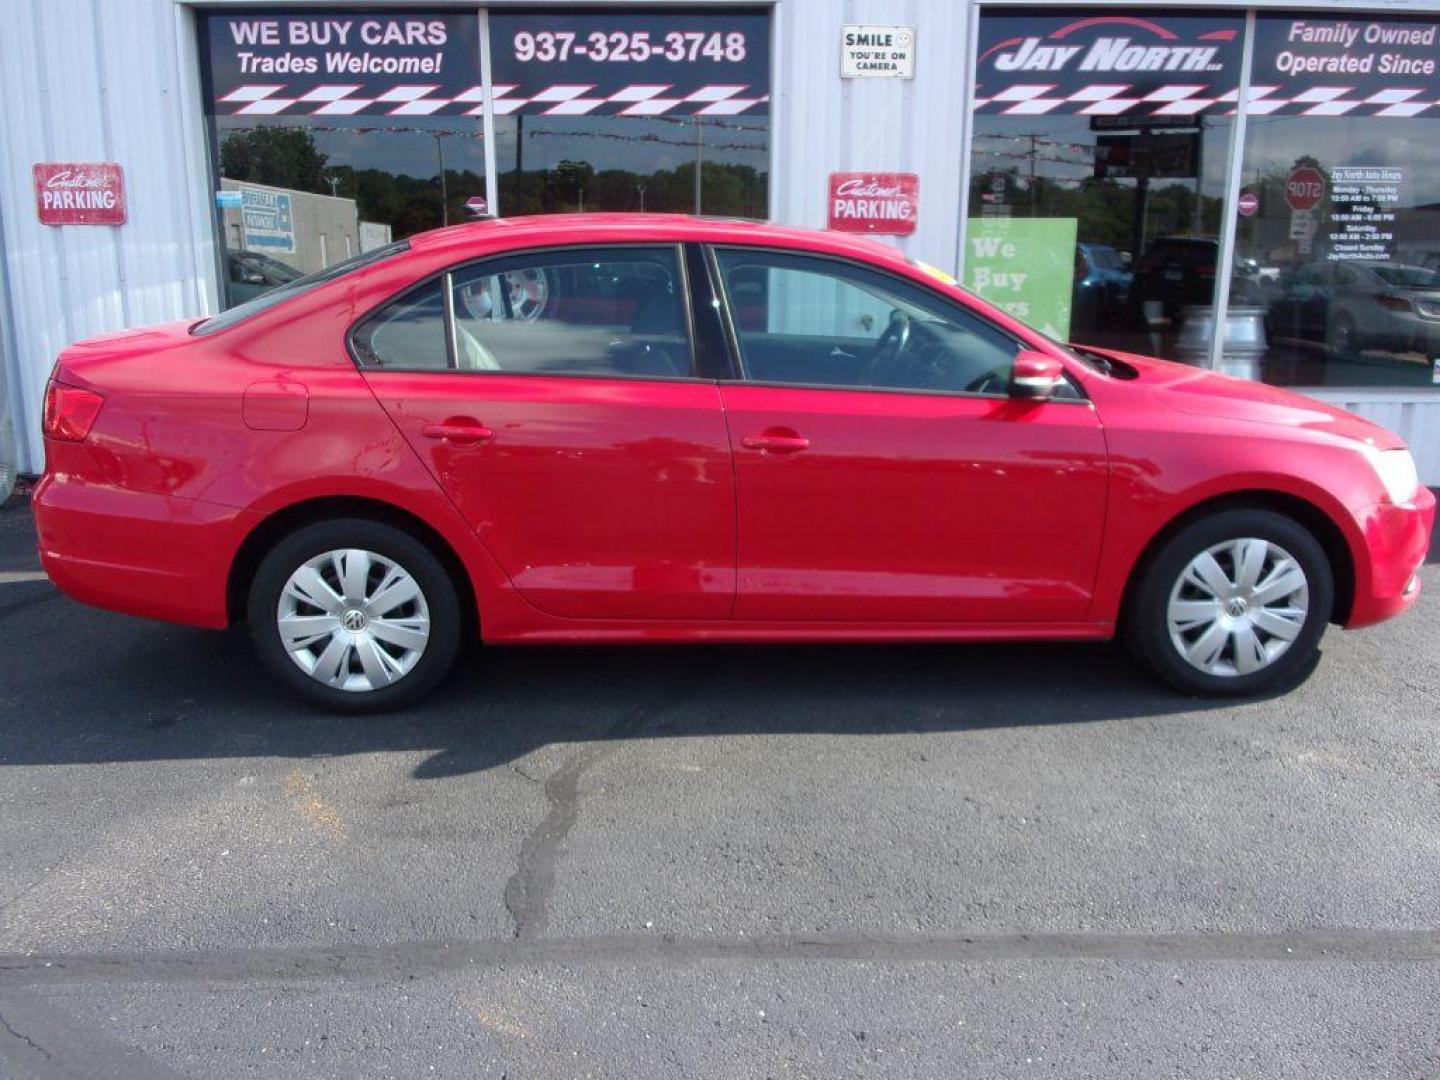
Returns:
<point x="883" y="473"/>
<point x="554" y="397"/>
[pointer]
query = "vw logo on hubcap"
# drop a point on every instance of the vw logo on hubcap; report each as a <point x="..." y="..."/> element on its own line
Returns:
<point x="1236" y="607"/>
<point x="354" y="620"/>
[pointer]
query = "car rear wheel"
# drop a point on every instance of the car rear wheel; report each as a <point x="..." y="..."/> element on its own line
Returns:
<point x="1233" y="604"/>
<point x="354" y="615"/>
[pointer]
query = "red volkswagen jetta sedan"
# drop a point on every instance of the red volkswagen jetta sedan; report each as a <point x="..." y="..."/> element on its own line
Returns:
<point x="649" y="428"/>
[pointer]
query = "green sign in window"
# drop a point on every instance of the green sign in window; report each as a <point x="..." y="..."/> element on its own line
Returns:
<point x="1025" y="266"/>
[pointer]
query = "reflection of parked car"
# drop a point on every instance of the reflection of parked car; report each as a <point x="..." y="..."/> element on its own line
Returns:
<point x="1178" y="271"/>
<point x="252" y="273"/>
<point x="1101" y="286"/>
<point x="1358" y="305"/>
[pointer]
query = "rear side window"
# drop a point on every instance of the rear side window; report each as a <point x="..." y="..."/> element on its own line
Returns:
<point x="610" y="311"/>
<point x="408" y="334"/>
<point x="289" y="290"/>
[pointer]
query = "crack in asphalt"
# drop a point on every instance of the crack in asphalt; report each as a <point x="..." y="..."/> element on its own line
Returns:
<point x="24" y="1038"/>
<point x="412" y="959"/>
<point x="527" y="893"/>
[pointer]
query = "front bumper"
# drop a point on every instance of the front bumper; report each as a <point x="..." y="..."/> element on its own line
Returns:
<point x="141" y="553"/>
<point x="1396" y="540"/>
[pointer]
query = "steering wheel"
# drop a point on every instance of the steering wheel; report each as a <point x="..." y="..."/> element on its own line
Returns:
<point x="889" y="346"/>
<point x="994" y="381"/>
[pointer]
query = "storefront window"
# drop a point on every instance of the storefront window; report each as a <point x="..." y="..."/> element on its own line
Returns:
<point x="655" y="111"/>
<point x="1341" y="233"/>
<point x="334" y="133"/>
<point x="1098" y="168"/>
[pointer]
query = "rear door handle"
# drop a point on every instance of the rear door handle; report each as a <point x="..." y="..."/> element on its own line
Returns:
<point x="775" y="443"/>
<point x="460" y="432"/>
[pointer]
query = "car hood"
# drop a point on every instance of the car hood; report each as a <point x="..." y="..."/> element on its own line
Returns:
<point x="1208" y="393"/>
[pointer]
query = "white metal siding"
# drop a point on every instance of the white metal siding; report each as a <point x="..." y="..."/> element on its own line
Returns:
<point x="72" y="89"/>
<point x="826" y="124"/>
<point x="1417" y="421"/>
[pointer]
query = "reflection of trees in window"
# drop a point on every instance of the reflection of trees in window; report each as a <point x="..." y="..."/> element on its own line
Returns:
<point x="1105" y="208"/>
<point x="737" y="190"/>
<point x="283" y="157"/>
<point x="287" y="157"/>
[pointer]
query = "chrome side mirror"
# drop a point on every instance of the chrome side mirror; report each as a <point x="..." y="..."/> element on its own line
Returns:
<point x="1036" y="376"/>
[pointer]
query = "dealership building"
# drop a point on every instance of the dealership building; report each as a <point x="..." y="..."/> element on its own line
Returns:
<point x="1254" y="188"/>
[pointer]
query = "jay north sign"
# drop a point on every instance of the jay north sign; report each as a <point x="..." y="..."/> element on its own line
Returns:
<point x="1108" y="65"/>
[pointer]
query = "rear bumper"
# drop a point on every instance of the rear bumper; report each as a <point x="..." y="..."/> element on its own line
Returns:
<point x="1396" y="539"/>
<point x="144" y="554"/>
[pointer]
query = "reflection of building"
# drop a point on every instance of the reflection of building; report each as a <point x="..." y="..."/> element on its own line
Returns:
<point x="317" y="230"/>
<point x="1115" y="133"/>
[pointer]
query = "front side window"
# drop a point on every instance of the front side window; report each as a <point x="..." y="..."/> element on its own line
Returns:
<point x="617" y="312"/>
<point x="820" y="322"/>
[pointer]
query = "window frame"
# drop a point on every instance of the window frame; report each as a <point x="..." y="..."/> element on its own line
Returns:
<point x="737" y="359"/>
<point x="444" y="276"/>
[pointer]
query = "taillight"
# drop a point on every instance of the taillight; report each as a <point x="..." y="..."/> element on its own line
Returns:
<point x="1208" y="270"/>
<point x="70" y="412"/>
<point x="1393" y="303"/>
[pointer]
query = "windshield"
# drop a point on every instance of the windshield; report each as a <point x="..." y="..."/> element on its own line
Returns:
<point x="241" y="312"/>
<point x="1106" y="258"/>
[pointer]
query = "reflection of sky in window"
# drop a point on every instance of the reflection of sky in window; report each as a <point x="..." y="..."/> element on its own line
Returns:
<point x="408" y="146"/>
<point x="400" y="146"/>
<point x="633" y="143"/>
<point x="1064" y="149"/>
<point x="1274" y="143"/>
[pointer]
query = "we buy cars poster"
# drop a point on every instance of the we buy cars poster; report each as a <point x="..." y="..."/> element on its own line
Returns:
<point x="407" y="63"/>
<point x="1025" y="266"/>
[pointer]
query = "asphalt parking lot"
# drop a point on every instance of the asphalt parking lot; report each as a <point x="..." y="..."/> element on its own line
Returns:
<point x="1007" y="861"/>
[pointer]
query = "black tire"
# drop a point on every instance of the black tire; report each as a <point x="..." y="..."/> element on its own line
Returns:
<point x="1146" y="623"/>
<point x="436" y="657"/>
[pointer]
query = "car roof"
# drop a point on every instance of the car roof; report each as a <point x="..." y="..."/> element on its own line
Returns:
<point x="548" y="229"/>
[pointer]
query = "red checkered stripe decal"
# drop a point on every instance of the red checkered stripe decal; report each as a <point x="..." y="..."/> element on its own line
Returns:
<point x="569" y="99"/>
<point x="1114" y="99"/>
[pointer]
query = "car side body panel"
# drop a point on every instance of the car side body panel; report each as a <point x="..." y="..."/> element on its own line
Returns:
<point x="201" y="439"/>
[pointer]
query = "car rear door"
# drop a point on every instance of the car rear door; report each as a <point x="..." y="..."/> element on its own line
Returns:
<point x="553" y="395"/>
<point x="880" y="481"/>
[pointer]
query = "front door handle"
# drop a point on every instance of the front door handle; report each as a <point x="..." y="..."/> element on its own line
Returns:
<point x="775" y="442"/>
<point x="460" y="432"/>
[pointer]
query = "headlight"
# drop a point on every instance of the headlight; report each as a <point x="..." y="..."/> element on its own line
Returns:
<point x="1396" y="469"/>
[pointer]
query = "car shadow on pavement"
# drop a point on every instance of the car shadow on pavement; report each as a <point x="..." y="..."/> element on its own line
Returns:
<point x="84" y="686"/>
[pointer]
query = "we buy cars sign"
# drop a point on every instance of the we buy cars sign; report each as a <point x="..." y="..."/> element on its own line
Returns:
<point x="866" y="202"/>
<point x="79" y="193"/>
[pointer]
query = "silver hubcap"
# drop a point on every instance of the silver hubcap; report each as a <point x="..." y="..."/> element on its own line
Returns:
<point x="353" y="620"/>
<point x="1238" y="606"/>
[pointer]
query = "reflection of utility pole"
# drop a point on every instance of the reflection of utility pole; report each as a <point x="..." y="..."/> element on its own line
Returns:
<point x="1197" y="219"/>
<point x="1034" y="153"/>
<point x="641" y="189"/>
<point x="699" y="162"/>
<point x="444" y="190"/>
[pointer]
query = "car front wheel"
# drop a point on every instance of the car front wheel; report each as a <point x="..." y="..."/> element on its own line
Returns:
<point x="354" y="615"/>
<point x="1234" y="603"/>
